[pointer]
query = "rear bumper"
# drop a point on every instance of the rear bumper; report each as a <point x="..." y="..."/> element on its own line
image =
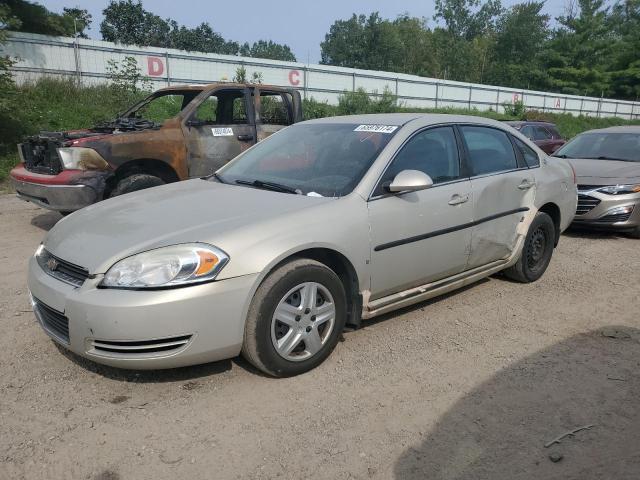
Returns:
<point x="68" y="191"/>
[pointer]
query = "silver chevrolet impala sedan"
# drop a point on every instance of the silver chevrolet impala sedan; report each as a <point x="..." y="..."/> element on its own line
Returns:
<point x="323" y="225"/>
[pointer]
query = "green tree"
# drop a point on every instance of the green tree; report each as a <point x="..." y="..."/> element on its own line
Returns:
<point x="267" y="49"/>
<point x="521" y="34"/>
<point x="624" y="22"/>
<point x="34" y="18"/>
<point x="468" y="19"/>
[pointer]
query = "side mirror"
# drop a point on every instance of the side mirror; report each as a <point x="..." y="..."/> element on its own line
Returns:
<point x="410" y="181"/>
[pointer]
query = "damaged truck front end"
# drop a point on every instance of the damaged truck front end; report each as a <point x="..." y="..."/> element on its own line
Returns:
<point x="57" y="173"/>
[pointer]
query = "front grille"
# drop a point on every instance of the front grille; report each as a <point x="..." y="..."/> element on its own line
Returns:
<point x="40" y="155"/>
<point x="54" y="322"/>
<point x="616" y="217"/>
<point x="586" y="204"/>
<point x="62" y="270"/>
<point x="141" y="347"/>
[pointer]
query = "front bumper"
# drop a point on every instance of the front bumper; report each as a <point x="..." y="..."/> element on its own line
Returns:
<point x="67" y="191"/>
<point x="143" y="329"/>
<point x="608" y="211"/>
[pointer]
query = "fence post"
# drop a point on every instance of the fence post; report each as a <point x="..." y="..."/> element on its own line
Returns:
<point x="397" y="101"/>
<point x="353" y="82"/>
<point x="616" y="113"/>
<point x="581" y="105"/>
<point x="565" y="105"/>
<point x="166" y="60"/>
<point x="437" y="93"/>
<point x="470" y="92"/>
<point x="498" y="100"/>
<point x="306" y="81"/>
<point x="76" y="59"/>
<point x="544" y="103"/>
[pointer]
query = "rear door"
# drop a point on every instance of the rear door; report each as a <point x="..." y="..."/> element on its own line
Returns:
<point x="503" y="189"/>
<point x="220" y="128"/>
<point x="274" y="111"/>
<point x="422" y="236"/>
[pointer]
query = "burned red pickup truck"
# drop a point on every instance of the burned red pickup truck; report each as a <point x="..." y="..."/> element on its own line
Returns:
<point x="174" y="134"/>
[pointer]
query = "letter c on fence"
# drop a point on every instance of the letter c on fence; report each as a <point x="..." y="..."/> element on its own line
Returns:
<point x="294" y="77"/>
<point x="155" y="66"/>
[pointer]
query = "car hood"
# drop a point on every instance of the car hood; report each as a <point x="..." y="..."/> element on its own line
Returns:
<point x="192" y="211"/>
<point x="605" y="172"/>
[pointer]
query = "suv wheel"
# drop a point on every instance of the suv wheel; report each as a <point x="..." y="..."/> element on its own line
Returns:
<point x="295" y="319"/>
<point x="135" y="182"/>
<point x="536" y="251"/>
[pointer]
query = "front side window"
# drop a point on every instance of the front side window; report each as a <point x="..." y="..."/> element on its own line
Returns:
<point x="432" y="151"/>
<point x="327" y="159"/>
<point x="162" y="106"/>
<point x="490" y="150"/>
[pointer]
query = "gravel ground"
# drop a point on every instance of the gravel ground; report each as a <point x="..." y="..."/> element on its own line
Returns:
<point x="469" y="386"/>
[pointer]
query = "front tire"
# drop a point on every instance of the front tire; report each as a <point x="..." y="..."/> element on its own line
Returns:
<point x="135" y="182"/>
<point x="295" y="319"/>
<point x="536" y="251"/>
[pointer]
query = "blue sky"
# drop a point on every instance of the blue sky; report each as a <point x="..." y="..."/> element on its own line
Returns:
<point x="300" y="24"/>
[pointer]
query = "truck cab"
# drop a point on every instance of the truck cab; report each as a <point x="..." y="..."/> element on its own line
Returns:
<point x="174" y="134"/>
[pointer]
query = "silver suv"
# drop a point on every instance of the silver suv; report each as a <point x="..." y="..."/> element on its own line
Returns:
<point x="322" y="225"/>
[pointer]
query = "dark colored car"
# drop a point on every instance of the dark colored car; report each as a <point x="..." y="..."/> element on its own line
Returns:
<point x="544" y="134"/>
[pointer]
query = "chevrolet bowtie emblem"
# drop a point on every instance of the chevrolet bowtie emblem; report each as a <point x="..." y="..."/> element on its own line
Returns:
<point x="52" y="264"/>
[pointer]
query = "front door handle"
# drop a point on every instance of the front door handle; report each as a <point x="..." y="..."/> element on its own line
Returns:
<point x="245" y="138"/>
<point x="458" y="199"/>
<point x="525" y="185"/>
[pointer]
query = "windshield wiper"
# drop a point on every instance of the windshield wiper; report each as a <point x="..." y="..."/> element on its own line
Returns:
<point x="276" y="187"/>
<point x="604" y="157"/>
<point x="562" y="156"/>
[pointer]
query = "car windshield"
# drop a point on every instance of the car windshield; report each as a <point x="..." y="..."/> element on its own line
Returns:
<point x="603" y="146"/>
<point x="319" y="159"/>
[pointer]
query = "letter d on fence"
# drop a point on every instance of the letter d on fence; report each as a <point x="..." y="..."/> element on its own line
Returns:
<point x="155" y="66"/>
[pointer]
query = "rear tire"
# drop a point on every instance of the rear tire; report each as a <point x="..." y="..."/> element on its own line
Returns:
<point x="295" y="319"/>
<point x="536" y="251"/>
<point x="135" y="182"/>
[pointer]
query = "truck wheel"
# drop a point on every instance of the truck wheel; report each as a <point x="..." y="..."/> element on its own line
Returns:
<point x="295" y="319"/>
<point x="536" y="251"/>
<point x="133" y="183"/>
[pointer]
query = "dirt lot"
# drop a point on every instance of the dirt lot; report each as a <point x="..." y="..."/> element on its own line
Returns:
<point x="469" y="386"/>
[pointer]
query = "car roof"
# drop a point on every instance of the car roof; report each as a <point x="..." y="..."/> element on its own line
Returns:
<point x="401" y="119"/>
<point x="617" y="129"/>
<point x="529" y="122"/>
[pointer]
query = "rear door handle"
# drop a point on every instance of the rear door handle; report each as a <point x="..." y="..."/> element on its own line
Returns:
<point x="525" y="185"/>
<point x="245" y="138"/>
<point x="458" y="199"/>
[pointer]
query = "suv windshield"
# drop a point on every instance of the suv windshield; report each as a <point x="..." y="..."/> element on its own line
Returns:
<point x="605" y="146"/>
<point x="313" y="159"/>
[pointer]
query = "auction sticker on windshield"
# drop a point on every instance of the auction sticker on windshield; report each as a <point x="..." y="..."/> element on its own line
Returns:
<point x="376" y="128"/>
<point x="222" y="132"/>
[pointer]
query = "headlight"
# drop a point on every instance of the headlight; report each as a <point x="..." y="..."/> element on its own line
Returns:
<point x="82" y="158"/>
<point x="620" y="189"/>
<point x="167" y="267"/>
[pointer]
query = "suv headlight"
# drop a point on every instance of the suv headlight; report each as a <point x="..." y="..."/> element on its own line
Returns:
<point x="620" y="189"/>
<point x="82" y="158"/>
<point x="175" y="265"/>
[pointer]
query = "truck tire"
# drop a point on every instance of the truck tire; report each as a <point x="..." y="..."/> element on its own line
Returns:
<point x="536" y="251"/>
<point x="135" y="182"/>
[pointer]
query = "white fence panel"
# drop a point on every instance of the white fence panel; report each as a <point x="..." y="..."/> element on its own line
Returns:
<point x="88" y="60"/>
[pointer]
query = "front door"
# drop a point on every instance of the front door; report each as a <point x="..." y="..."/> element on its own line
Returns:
<point x="220" y="128"/>
<point x="503" y="190"/>
<point x="419" y="237"/>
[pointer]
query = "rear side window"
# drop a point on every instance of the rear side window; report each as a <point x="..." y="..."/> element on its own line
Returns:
<point x="541" y="133"/>
<point x="432" y="151"/>
<point x="273" y="109"/>
<point x="530" y="157"/>
<point x="490" y="150"/>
